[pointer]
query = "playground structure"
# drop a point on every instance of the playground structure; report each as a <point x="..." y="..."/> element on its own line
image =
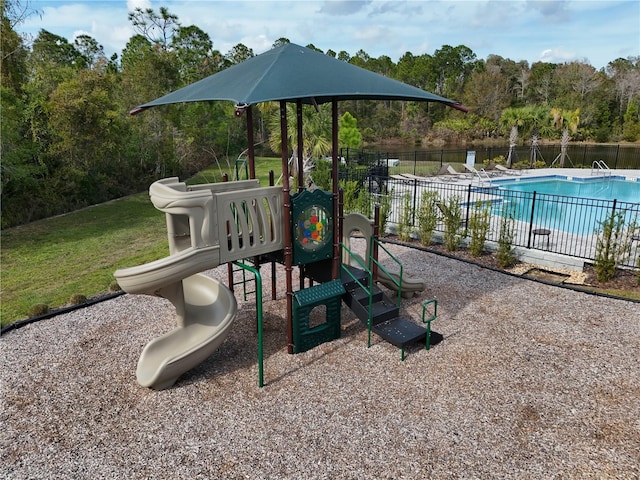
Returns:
<point x="213" y="224"/>
<point x="234" y="222"/>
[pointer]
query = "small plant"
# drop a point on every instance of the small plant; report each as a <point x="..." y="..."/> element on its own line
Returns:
<point x="452" y="223"/>
<point x="38" y="309"/>
<point x="351" y="193"/>
<point x="479" y="226"/>
<point x="404" y="225"/>
<point x="321" y="174"/>
<point x="427" y="217"/>
<point x="613" y="246"/>
<point x="114" y="286"/>
<point x="385" y="211"/>
<point x="363" y="203"/>
<point x="77" y="299"/>
<point x="505" y="254"/>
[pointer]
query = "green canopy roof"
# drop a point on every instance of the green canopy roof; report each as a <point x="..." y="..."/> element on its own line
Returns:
<point x="292" y="73"/>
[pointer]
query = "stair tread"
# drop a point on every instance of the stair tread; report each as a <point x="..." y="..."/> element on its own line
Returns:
<point x="400" y="331"/>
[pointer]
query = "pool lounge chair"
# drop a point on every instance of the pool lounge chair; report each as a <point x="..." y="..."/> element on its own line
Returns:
<point x="507" y="171"/>
<point x="481" y="174"/>
<point x="449" y="174"/>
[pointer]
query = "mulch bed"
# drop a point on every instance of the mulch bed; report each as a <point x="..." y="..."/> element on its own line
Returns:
<point x="624" y="280"/>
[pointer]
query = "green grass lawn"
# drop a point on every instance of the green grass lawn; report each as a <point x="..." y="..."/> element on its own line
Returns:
<point x="48" y="261"/>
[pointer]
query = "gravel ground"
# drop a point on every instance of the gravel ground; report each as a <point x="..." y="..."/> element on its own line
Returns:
<point x="531" y="381"/>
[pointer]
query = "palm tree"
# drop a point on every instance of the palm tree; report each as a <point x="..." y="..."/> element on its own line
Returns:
<point x="316" y="132"/>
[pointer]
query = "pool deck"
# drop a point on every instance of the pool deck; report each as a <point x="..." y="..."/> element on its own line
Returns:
<point x="543" y="251"/>
<point x="497" y="175"/>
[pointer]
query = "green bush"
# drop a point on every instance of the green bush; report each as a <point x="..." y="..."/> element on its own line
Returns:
<point x="38" y="309"/>
<point x="321" y="174"/>
<point x="452" y="223"/>
<point x="479" y="226"/>
<point x="613" y="246"/>
<point x="385" y="211"/>
<point x="427" y="216"/>
<point x="77" y="299"/>
<point x="505" y="254"/>
<point x="405" y="223"/>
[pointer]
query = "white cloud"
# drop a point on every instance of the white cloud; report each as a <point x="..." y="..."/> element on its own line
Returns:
<point x="600" y="30"/>
<point x="556" y="55"/>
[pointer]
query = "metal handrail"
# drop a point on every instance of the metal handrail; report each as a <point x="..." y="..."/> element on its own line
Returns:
<point x="368" y="291"/>
<point x="398" y="283"/>
<point x="600" y="165"/>
<point x="259" y="318"/>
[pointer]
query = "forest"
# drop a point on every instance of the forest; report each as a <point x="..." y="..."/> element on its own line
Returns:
<point x="68" y="140"/>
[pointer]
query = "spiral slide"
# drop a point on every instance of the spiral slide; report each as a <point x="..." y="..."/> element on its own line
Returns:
<point x="248" y="220"/>
<point x="205" y="309"/>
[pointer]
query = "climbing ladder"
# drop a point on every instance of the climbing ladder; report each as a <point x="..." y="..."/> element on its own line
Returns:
<point x="599" y="166"/>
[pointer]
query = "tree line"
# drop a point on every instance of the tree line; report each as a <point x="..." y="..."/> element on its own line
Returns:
<point x="68" y="140"/>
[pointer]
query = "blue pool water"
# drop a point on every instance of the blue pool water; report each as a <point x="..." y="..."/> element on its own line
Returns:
<point x="576" y="207"/>
<point x="602" y="189"/>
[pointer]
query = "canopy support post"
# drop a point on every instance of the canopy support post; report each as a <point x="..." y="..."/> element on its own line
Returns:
<point x="335" y="272"/>
<point x="300" y="151"/>
<point x="250" y="151"/>
<point x="286" y="220"/>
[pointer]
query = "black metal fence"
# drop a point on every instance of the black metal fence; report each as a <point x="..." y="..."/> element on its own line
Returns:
<point x="428" y="162"/>
<point x="555" y="223"/>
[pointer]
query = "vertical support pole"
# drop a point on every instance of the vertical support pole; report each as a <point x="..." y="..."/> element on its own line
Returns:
<point x="300" y="150"/>
<point x="286" y="223"/>
<point x="334" y="173"/>
<point x="250" y="149"/>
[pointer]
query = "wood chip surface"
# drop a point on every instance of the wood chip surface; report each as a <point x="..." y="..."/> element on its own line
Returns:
<point x="531" y="381"/>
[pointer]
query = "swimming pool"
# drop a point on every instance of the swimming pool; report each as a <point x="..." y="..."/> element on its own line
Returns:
<point x="598" y="188"/>
<point x="576" y="206"/>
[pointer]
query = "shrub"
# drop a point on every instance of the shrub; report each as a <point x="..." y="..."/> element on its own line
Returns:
<point x="77" y="299"/>
<point x="613" y="246"/>
<point x="479" y="226"/>
<point x="452" y="223"/>
<point x="505" y="254"/>
<point x="427" y="216"/>
<point x="405" y="223"/>
<point x="351" y="191"/>
<point x="38" y="309"/>
<point x="321" y="174"/>
<point x="385" y="212"/>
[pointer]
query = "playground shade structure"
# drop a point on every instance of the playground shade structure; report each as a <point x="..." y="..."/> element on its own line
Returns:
<point x="219" y="223"/>
<point x="290" y="73"/>
<point x="206" y="225"/>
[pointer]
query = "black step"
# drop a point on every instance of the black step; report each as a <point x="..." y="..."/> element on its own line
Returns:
<point x="400" y="331"/>
<point x="361" y="295"/>
<point x="381" y="311"/>
<point x="349" y="279"/>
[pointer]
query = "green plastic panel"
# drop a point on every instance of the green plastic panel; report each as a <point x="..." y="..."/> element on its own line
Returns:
<point x="312" y="224"/>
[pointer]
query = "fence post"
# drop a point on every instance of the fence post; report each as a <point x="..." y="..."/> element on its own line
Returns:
<point x="533" y="207"/>
<point x="415" y="161"/>
<point x="615" y="163"/>
<point x="468" y="206"/>
<point x="415" y="195"/>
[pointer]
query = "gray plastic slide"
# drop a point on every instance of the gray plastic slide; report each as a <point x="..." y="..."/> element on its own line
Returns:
<point x="357" y="222"/>
<point x="205" y="310"/>
<point x="248" y="219"/>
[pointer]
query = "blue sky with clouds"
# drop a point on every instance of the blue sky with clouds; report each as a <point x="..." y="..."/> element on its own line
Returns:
<point x="554" y="31"/>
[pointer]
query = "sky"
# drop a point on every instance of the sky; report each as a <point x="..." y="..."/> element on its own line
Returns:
<point x="592" y="31"/>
